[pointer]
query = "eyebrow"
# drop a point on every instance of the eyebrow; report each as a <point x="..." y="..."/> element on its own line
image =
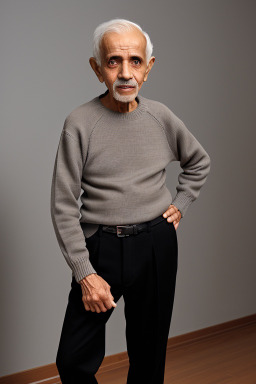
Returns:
<point x="120" y="57"/>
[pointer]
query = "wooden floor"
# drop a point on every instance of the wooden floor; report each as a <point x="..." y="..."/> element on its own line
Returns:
<point x="220" y="354"/>
<point x="228" y="358"/>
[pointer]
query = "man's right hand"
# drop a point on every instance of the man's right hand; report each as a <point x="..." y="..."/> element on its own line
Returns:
<point x="96" y="293"/>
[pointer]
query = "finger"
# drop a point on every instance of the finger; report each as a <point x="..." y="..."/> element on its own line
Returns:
<point x="109" y="302"/>
<point x="87" y="307"/>
<point x="103" y="306"/>
<point x="173" y="217"/>
<point x="169" y="211"/>
<point x="86" y="303"/>
<point x="166" y="212"/>
<point x="176" y="225"/>
<point x="92" y="307"/>
<point x="97" y="308"/>
<point x="112" y="300"/>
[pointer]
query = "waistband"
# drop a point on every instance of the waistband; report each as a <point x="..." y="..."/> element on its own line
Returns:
<point x="131" y="229"/>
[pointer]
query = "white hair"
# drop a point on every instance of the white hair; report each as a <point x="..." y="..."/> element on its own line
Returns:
<point x="118" y="26"/>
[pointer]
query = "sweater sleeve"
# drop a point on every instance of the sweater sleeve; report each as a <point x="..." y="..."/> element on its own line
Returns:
<point x="194" y="160"/>
<point x="65" y="213"/>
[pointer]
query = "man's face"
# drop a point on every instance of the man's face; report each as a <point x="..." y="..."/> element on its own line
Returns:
<point x="123" y="62"/>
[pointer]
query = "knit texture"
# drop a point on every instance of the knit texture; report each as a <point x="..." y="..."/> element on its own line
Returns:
<point x="118" y="161"/>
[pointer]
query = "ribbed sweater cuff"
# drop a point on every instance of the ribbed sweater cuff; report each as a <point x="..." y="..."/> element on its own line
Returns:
<point x="182" y="202"/>
<point x="82" y="268"/>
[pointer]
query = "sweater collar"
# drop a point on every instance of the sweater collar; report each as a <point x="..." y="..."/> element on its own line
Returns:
<point x="135" y="114"/>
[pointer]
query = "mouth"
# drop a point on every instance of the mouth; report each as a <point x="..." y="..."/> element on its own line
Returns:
<point x="125" y="87"/>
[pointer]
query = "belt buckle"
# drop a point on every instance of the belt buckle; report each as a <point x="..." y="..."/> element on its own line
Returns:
<point x="119" y="230"/>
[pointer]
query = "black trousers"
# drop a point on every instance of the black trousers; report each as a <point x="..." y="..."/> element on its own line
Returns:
<point x="142" y="268"/>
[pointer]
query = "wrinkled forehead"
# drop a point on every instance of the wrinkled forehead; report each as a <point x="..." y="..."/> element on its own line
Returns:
<point x="133" y="42"/>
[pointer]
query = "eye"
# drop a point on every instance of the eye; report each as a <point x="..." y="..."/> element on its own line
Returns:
<point x="112" y="61"/>
<point x="137" y="60"/>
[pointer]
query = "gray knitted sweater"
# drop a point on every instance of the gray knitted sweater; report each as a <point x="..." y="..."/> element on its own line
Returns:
<point x="118" y="161"/>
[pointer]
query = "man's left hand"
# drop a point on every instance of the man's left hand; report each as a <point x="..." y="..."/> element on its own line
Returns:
<point x="172" y="214"/>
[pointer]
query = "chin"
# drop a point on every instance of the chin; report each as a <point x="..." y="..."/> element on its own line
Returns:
<point x="125" y="98"/>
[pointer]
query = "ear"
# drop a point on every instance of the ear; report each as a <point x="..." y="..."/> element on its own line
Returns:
<point x="150" y="65"/>
<point x="96" y="69"/>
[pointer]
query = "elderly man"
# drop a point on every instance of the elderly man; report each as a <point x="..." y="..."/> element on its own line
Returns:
<point x="116" y="148"/>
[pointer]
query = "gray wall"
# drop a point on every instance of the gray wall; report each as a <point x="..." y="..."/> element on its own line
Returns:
<point x="205" y="72"/>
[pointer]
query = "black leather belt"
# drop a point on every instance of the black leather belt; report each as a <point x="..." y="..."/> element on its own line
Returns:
<point x="131" y="229"/>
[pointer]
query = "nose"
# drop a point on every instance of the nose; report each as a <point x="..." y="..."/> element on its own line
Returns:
<point x="125" y="72"/>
